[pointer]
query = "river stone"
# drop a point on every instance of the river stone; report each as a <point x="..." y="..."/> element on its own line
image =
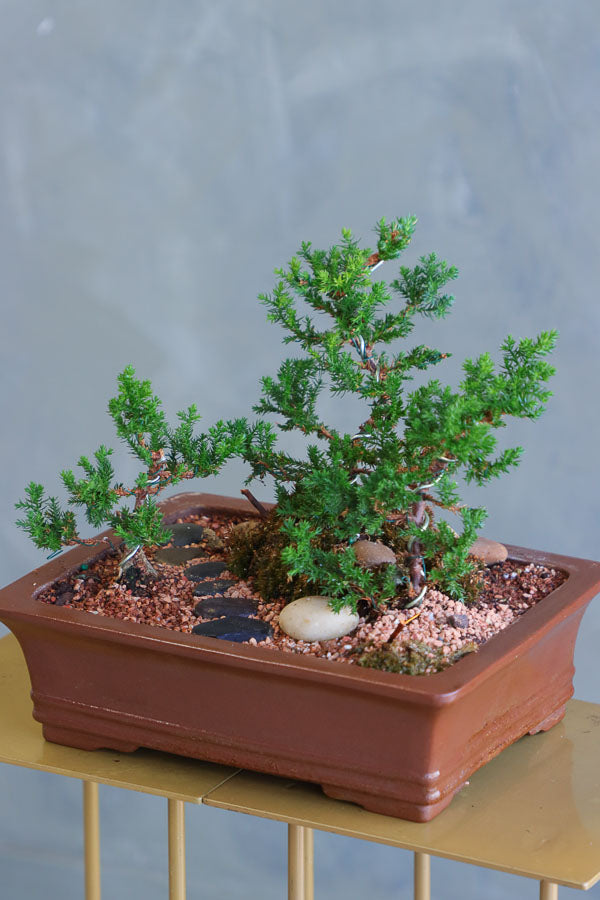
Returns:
<point x="209" y="569"/>
<point x="210" y="588"/>
<point x="490" y="552"/>
<point x="213" y="607"/>
<point x="185" y="534"/>
<point x="312" y="619"/>
<point x="234" y="628"/>
<point x="373" y="553"/>
<point x="177" y="556"/>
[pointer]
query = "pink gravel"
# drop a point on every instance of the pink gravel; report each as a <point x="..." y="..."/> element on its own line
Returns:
<point x="510" y="589"/>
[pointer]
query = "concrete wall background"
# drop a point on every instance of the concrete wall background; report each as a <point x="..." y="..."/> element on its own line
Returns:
<point x="157" y="161"/>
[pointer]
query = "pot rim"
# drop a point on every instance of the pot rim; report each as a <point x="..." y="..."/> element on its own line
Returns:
<point x="18" y="603"/>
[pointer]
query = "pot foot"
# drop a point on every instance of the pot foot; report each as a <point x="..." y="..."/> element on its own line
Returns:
<point x="411" y="810"/>
<point x="550" y="721"/>
<point x="69" y="737"/>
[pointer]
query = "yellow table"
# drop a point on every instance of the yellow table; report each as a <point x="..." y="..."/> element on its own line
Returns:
<point x="534" y="811"/>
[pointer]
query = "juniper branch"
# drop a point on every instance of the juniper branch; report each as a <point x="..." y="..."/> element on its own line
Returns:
<point x="169" y="456"/>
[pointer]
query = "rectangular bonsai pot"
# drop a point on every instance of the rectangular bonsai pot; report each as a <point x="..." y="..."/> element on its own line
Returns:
<point x="396" y="744"/>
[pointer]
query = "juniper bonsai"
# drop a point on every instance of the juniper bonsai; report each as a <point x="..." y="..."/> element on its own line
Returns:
<point x="389" y="477"/>
<point x="168" y="455"/>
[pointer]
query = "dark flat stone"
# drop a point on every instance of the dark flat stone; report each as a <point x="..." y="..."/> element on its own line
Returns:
<point x="186" y="534"/>
<point x="234" y="628"/>
<point x="177" y="556"/>
<point x="205" y="570"/>
<point x="458" y="620"/>
<point x="213" y="607"/>
<point x="210" y="588"/>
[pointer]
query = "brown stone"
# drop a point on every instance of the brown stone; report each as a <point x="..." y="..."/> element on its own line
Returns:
<point x="211" y="540"/>
<point x="490" y="552"/>
<point x="373" y="553"/>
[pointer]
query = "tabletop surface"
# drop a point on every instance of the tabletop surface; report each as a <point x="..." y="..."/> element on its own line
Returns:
<point x="22" y="744"/>
<point x="532" y="811"/>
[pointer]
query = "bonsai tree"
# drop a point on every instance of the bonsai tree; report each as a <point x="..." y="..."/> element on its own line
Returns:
<point x="168" y="456"/>
<point x="387" y="479"/>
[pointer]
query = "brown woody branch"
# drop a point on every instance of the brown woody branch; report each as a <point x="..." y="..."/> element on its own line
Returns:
<point x="255" y="503"/>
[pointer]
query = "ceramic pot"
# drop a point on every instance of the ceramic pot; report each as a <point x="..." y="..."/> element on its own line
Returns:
<point x="396" y="744"/>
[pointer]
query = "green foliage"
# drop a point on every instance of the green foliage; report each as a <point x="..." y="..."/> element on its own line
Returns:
<point x="412" y="445"/>
<point x="143" y="526"/>
<point x="169" y="455"/>
<point x="45" y="522"/>
<point x="138" y="417"/>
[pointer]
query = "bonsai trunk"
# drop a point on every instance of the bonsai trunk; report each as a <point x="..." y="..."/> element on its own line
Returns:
<point x="415" y="566"/>
<point x="138" y="558"/>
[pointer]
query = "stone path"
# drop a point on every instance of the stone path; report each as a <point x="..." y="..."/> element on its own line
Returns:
<point x="230" y="618"/>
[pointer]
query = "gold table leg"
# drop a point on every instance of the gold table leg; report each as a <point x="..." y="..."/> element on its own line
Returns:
<point x="422" y="876"/>
<point x="548" y="890"/>
<point x="176" y="849"/>
<point x="91" y="840"/>
<point x="300" y="863"/>
<point x="309" y="855"/>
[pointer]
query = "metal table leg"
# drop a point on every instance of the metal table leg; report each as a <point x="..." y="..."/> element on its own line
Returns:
<point x="300" y="863"/>
<point x="176" y="849"/>
<point x="422" y="876"/>
<point x="91" y="840"/>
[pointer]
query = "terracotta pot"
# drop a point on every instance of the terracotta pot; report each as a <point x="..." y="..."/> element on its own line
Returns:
<point x="397" y="744"/>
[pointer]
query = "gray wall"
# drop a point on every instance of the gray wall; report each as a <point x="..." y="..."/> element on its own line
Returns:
<point x="158" y="160"/>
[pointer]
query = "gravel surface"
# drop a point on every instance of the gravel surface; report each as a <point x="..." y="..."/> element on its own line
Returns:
<point x="510" y="589"/>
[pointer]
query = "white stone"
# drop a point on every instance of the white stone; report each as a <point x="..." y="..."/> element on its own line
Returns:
<point x="312" y="619"/>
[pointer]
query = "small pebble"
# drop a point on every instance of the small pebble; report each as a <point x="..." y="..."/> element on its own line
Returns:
<point x="312" y="619"/>
<point x="458" y="620"/>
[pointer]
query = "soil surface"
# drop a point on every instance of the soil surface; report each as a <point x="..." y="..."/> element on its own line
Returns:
<point x="184" y="603"/>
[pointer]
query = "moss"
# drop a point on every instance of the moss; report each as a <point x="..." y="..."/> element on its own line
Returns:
<point x="472" y="582"/>
<point x="242" y="543"/>
<point x="411" y="658"/>
<point x="255" y="552"/>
